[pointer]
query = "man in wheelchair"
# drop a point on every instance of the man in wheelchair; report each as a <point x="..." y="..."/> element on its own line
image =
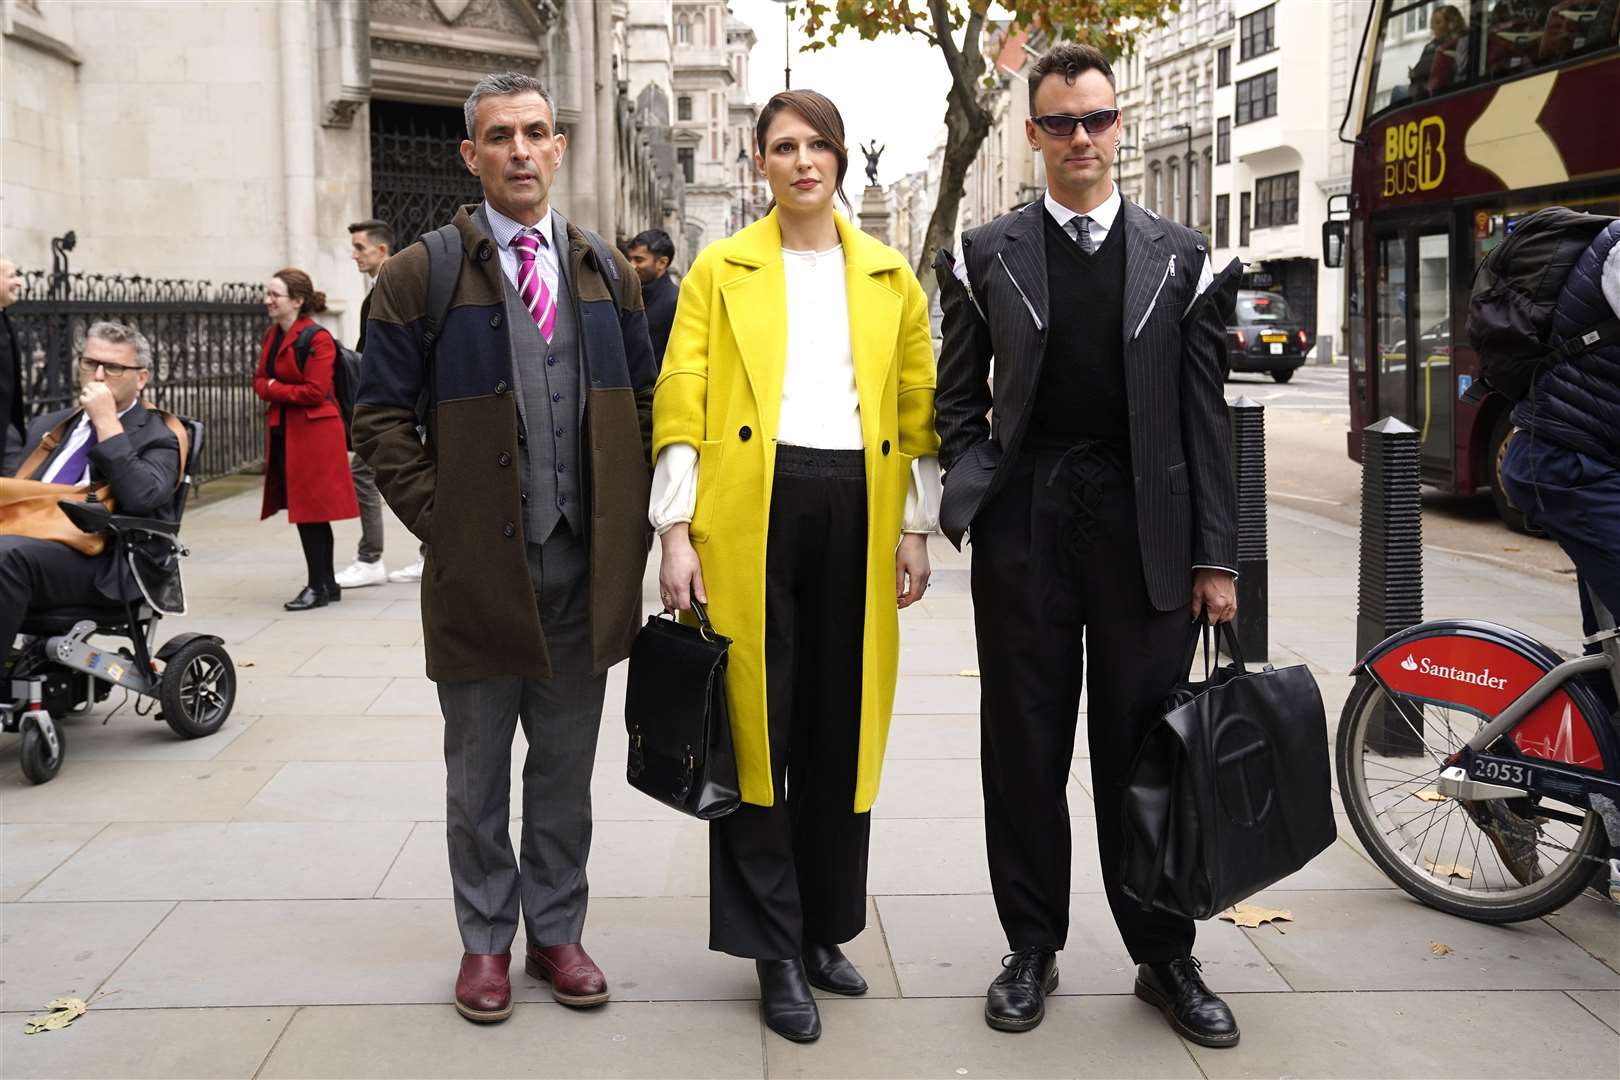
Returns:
<point x="112" y="443"/>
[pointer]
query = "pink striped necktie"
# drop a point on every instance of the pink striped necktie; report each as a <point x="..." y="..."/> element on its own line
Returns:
<point x="531" y="286"/>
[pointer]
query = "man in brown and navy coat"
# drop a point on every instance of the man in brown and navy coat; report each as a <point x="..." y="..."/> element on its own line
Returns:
<point x="530" y="491"/>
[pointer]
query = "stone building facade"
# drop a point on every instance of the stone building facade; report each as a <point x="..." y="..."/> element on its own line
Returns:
<point x="713" y="125"/>
<point x="223" y="141"/>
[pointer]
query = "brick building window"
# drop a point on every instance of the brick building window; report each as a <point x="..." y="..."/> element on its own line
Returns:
<point x="1258" y="33"/>
<point x="684" y="156"/>
<point x="1223" y="65"/>
<point x="1276" y="200"/>
<point x="1223" y="140"/>
<point x="1243" y="220"/>
<point x="1223" y="226"/>
<point x="683" y="108"/>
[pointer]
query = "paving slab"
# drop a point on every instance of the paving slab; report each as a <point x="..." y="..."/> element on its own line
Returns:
<point x="370" y="661"/>
<point x="1081" y="1037"/>
<point x="1593" y="923"/>
<point x="952" y="946"/>
<point x="940" y="789"/>
<point x="289" y="695"/>
<point x="1371" y="940"/>
<point x="339" y="738"/>
<point x="87" y="791"/>
<point x="932" y="694"/>
<point x="922" y="737"/>
<point x="1603" y="1004"/>
<point x="284" y="632"/>
<point x="28" y="853"/>
<point x="913" y="856"/>
<point x="412" y="695"/>
<point x="228" y="861"/>
<point x="104" y="735"/>
<point x="134" y="1044"/>
<point x="351" y="791"/>
<point x="1417" y="1035"/>
<point x="57" y="950"/>
<point x="622" y="1039"/>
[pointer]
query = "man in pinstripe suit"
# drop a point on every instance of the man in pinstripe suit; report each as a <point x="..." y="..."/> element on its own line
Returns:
<point x="1097" y="485"/>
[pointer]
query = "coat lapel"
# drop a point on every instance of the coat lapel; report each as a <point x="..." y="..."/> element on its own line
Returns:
<point x="756" y="312"/>
<point x="875" y="311"/>
<point x="1025" y="255"/>
<point x="1146" y="264"/>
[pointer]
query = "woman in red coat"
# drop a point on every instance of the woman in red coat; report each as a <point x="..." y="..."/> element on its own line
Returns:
<point x="306" y="468"/>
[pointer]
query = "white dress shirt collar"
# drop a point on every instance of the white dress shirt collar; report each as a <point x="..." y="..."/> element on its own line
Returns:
<point x="505" y="230"/>
<point x="1101" y="218"/>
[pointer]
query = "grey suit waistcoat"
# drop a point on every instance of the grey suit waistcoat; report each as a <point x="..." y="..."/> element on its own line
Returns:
<point x="550" y="410"/>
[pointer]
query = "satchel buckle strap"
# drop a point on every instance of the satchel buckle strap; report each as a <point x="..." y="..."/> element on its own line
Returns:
<point x="685" y="787"/>
<point x="637" y="760"/>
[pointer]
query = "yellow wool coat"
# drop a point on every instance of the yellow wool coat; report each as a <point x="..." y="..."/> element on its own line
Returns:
<point x="720" y="390"/>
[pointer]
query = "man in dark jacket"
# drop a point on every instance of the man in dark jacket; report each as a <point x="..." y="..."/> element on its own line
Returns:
<point x="1563" y="464"/>
<point x="650" y="253"/>
<point x="11" y="374"/>
<point x="112" y="439"/>
<point x="536" y="534"/>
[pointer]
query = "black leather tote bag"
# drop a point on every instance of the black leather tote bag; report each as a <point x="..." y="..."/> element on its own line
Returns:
<point x="675" y="710"/>
<point x="1229" y="791"/>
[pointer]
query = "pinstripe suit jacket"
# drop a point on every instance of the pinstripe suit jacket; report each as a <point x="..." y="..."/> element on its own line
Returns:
<point x="995" y="305"/>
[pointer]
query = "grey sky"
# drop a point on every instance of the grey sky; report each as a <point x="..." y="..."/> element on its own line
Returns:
<point x="892" y="89"/>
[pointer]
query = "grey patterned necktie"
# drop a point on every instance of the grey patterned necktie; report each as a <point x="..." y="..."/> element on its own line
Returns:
<point x="1082" y="233"/>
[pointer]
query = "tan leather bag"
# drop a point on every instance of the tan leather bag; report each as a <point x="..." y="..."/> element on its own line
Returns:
<point x="29" y="507"/>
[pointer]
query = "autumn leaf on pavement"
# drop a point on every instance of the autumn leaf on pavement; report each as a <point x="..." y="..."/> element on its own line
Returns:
<point x="1448" y="870"/>
<point x="969" y="673"/>
<point x="1440" y="948"/>
<point x="1430" y="795"/>
<point x="64" y="1011"/>
<point x="1253" y="916"/>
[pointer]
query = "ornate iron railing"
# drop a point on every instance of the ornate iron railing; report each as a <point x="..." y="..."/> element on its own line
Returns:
<point x="205" y="344"/>
<point x="418" y="181"/>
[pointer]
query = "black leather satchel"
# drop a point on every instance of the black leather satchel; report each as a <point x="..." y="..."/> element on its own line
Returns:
<point x="1229" y="792"/>
<point x="675" y="711"/>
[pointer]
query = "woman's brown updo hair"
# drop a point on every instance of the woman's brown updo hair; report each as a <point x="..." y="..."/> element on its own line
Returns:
<point x="820" y="113"/>
<point x="301" y="289"/>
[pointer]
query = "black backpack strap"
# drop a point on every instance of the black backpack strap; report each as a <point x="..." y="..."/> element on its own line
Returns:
<point x="302" y="343"/>
<point x="444" y="271"/>
<point x="606" y="265"/>
<point x="1597" y="336"/>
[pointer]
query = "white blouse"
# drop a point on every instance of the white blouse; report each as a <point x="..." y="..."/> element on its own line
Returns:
<point x="820" y="406"/>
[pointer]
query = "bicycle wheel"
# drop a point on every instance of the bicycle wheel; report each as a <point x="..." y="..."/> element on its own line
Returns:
<point x="1498" y="860"/>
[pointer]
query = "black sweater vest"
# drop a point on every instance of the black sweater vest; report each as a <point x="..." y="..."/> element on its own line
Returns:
<point x="1082" y="389"/>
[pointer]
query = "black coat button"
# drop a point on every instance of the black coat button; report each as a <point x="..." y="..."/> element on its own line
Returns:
<point x="562" y="500"/>
<point x="484" y="251"/>
<point x="503" y="459"/>
<point x="509" y="530"/>
<point x="500" y="387"/>
<point x="745" y="433"/>
<point x="556" y="397"/>
<point x="885" y="446"/>
<point x="495" y="319"/>
<point x="562" y="468"/>
<point x="551" y="361"/>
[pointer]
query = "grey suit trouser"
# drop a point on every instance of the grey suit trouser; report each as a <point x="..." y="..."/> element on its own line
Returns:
<point x="560" y="717"/>
<point x="371" y="510"/>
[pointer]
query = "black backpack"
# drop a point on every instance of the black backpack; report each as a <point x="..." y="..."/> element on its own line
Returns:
<point x="444" y="271"/>
<point x="1516" y="289"/>
<point x="345" y="373"/>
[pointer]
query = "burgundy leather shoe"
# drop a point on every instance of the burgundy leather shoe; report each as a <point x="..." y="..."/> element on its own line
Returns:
<point x="484" y="987"/>
<point x="574" y="977"/>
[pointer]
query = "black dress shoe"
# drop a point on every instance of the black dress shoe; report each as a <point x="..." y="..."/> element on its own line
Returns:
<point x="829" y="969"/>
<point x="332" y="591"/>
<point x="306" y="599"/>
<point x="1178" y="990"/>
<point x="786" y="1002"/>
<point x="1016" y="1001"/>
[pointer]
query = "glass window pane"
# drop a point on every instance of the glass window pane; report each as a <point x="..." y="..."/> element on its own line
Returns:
<point x="1436" y="393"/>
<point x="1391" y="316"/>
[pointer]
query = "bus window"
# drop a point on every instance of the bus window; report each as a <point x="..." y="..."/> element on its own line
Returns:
<point x="1522" y="34"/>
<point x="1423" y="50"/>
<point x="1355" y="279"/>
<point x="1431" y="321"/>
<point x="1391" y="316"/>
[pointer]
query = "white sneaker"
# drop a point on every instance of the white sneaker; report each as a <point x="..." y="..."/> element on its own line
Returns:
<point x="358" y="574"/>
<point x="412" y="572"/>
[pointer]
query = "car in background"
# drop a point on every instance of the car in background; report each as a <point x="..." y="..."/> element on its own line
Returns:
<point x="1265" y="336"/>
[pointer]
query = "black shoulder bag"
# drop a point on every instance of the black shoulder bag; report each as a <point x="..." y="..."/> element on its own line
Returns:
<point x="675" y="711"/>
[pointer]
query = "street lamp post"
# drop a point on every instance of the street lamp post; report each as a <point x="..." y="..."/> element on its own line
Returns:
<point x="1191" y="213"/>
<point x="787" y="43"/>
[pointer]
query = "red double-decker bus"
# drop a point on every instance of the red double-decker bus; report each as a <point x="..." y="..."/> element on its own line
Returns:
<point x="1467" y="116"/>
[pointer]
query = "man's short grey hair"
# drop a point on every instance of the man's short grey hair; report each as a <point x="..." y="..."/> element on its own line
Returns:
<point x="504" y="85"/>
<point x="123" y="334"/>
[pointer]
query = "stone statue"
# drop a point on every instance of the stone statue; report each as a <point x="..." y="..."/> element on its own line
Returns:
<point x="873" y="151"/>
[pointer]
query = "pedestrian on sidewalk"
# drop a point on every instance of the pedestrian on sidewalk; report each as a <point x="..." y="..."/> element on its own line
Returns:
<point x="1095" y="479"/>
<point x="370" y="244"/>
<point x="306" y="470"/>
<point x="795" y="488"/>
<point x="533" y="582"/>
<point x="650" y="253"/>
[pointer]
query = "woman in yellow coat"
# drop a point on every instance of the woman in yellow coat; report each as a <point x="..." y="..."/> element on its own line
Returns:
<point x="796" y="482"/>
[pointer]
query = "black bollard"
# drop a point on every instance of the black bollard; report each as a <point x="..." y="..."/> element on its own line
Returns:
<point x="1253" y="581"/>
<point x="1391" y="576"/>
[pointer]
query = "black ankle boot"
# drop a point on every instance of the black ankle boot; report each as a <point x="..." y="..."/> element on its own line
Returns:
<point x="829" y="969"/>
<point x="332" y="591"/>
<point x="1016" y="1000"/>
<point x="308" y="597"/>
<point x="1178" y="990"/>
<point x="785" y="1000"/>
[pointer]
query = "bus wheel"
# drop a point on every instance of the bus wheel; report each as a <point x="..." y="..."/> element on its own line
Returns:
<point x="1512" y="516"/>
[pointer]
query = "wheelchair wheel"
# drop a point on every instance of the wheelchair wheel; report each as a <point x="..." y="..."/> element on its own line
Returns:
<point x="1495" y="860"/>
<point x="198" y="689"/>
<point x="38" y="763"/>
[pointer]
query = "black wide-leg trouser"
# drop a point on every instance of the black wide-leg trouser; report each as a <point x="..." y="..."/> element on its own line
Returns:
<point x="795" y="871"/>
<point x="1057" y="575"/>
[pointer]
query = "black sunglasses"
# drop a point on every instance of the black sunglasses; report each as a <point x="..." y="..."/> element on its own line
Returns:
<point x="1062" y="124"/>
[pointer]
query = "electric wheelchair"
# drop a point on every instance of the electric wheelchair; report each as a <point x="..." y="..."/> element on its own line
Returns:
<point x="57" y="671"/>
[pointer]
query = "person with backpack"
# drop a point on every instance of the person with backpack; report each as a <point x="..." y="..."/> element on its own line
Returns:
<point x="1562" y="467"/>
<point x="306" y="470"/>
<point x="518" y="341"/>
